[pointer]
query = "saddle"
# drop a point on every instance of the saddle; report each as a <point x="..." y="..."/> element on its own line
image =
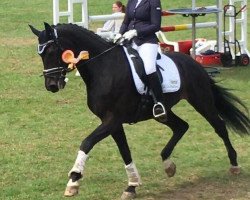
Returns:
<point x="167" y="72"/>
<point x="166" y="69"/>
<point x="139" y="66"/>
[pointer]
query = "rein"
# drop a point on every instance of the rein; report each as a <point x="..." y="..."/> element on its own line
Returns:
<point x="93" y="58"/>
<point x="119" y="42"/>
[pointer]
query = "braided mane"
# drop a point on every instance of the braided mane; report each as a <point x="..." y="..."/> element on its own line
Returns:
<point x="82" y="35"/>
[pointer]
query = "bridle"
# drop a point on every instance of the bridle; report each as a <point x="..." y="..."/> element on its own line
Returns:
<point x="56" y="72"/>
<point x="60" y="72"/>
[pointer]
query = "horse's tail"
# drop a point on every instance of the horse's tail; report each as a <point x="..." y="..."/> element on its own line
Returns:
<point x="231" y="109"/>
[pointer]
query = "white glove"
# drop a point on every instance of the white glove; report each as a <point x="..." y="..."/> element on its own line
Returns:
<point x="130" y="34"/>
<point x="117" y="37"/>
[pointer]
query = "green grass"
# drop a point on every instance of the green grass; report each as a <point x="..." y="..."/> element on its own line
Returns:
<point x="41" y="132"/>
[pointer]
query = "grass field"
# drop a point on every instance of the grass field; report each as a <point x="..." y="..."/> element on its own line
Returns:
<point x="40" y="132"/>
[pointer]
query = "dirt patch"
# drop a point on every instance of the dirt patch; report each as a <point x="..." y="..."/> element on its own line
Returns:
<point x="206" y="189"/>
<point x="17" y="42"/>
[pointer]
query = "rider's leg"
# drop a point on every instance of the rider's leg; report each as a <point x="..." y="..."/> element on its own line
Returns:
<point x="155" y="86"/>
<point x="148" y="53"/>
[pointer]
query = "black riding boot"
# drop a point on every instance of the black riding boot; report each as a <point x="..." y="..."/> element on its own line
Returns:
<point x="155" y="86"/>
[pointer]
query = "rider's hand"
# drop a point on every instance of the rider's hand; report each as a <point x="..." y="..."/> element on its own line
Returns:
<point x="130" y="34"/>
<point x="117" y="37"/>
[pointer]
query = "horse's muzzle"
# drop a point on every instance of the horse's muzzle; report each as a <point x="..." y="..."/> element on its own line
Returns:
<point x="52" y="88"/>
<point x="54" y="85"/>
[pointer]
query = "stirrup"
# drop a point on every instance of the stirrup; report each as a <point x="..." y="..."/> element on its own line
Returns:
<point x="163" y="110"/>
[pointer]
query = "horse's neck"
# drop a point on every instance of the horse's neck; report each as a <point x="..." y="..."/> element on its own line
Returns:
<point x="98" y="50"/>
<point x="103" y="59"/>
<point x="105" y="69"/>
<point x="93" y="44"/>
<point x="82" y="39"/>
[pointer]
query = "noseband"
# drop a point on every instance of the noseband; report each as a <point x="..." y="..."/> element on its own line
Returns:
<point x="57" y="72"/>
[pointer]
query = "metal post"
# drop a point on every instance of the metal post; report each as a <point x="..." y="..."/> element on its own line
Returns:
<point x="219" y="29"/>
<point x="244" y="28"/>
<point x="193" y="5"/>
<point x="193" y="35"/>
<point x="193" y="29"/>
<point x="70" y="11"/>
<point x="85" y="15"/>
<point x="55" y="12"/>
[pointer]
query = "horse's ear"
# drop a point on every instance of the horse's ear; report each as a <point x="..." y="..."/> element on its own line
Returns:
<point x="35" y="31"/>
<point x="49" y="30"/>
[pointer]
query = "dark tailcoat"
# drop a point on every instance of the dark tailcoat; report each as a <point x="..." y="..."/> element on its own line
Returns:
<point x="145" y="19"/>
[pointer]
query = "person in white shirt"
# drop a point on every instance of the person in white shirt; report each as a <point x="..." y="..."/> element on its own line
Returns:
<point x="111" y="27"/>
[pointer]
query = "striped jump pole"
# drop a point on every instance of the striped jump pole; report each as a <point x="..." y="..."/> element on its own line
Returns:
<point x="182" y="27"/>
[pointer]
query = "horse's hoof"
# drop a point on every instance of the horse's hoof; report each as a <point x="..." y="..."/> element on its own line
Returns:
<point x="170" y="168"/>
<point x="128" y="195"/>
<point x="71" y="191"/>
<point x="235" y="170"/>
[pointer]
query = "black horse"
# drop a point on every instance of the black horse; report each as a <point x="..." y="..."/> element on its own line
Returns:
<point x="112" y="96"/>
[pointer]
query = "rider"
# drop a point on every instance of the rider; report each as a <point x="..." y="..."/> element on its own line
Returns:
<point x="142" y="20"/>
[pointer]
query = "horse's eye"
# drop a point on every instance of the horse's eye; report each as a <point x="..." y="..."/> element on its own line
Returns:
<point x="51" y="51"/>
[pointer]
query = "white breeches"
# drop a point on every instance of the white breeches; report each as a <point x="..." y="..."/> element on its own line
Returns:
<point x="148" y="53"/>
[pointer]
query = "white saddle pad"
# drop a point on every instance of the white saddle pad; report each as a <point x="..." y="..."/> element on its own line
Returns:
<point x="169" y="71"/>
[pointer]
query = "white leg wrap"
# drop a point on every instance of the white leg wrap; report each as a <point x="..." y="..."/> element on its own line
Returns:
<point x="79" y="163"/>
<point x="72" y="184"/>
<point x="134" y="178"/>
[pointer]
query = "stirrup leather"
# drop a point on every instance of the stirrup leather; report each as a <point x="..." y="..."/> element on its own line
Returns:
<point x="163" y="110"/>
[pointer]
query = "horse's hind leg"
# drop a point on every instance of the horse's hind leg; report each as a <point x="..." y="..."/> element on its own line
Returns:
<point x="134" y="179"/>
<point x="179" y="128"/>
<point x="207" y="109"/>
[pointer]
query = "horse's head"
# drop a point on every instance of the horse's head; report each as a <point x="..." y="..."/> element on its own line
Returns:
<point x="50" y="49"/>
<point x="57" y="47"/>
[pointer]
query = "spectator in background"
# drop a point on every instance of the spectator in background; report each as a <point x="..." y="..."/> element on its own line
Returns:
<point x="111" y="27"/>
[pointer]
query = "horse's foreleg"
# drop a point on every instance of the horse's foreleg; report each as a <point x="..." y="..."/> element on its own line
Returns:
<point x="179" y="128"/>
<point x="75" y="174"/>
<point x="77" y="171"/>
<point x="134" y="179"/>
